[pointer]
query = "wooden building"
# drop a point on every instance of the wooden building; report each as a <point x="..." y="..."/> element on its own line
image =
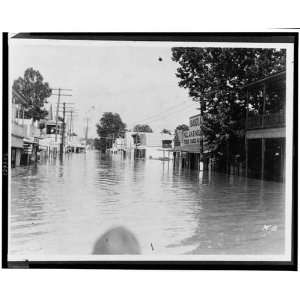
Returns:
<point x="24" y="134"/>
<point x="18" y="130"/>
<point x="265" y="128"/>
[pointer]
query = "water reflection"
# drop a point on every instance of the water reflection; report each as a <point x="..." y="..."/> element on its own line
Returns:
<point x="62" y="208"/>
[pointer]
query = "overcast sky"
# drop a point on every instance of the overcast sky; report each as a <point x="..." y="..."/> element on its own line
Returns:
<point x="127" y="79"/>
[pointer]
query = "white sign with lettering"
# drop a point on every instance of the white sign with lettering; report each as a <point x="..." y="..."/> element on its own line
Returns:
<point x="192" y="136"/>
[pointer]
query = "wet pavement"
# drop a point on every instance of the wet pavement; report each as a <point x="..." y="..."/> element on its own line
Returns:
<point x="62" y="208"/>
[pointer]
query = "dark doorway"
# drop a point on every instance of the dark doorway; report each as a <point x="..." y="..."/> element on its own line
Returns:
<point x="274" y="159"/>
<point x="254" y="158"/>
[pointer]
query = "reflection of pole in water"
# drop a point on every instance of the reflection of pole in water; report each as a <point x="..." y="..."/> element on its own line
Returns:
<point x="62" y="144"/>
<point x="61" y="168"/>
<point x="168" y="162"/>
<point x="204" y="177"/>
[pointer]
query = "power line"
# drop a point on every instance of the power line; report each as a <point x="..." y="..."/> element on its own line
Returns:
<point x="170" y="115"/>
<point x="166" y="111"/>
<point x="169" y="111"/>
<point x="57" y="107"/>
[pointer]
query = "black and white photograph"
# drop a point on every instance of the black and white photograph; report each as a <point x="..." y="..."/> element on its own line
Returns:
<point x="150" y="150"/>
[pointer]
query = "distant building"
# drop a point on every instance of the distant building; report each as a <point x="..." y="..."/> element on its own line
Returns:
<point x="50" y="137"/>
<point x="152" y="145"/>
<point x="144" y="145"/>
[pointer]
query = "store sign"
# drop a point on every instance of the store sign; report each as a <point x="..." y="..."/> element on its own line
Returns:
<point x="192" y="136"/>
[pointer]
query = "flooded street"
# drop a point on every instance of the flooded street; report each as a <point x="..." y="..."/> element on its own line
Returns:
<point x="62" y="208"/>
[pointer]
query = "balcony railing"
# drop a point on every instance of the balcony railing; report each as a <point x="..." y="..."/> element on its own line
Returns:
<point x="273" y="120"/>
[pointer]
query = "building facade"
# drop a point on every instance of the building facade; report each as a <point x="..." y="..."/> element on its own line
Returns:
<point x="259" y="152"/>
<point x="265" y="128"/>
<point x="144" y="145"/>
<point x="24" y="133"/>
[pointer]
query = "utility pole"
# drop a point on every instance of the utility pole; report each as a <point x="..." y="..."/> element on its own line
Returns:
<point x="72" y="113"/>
<point x="71" y="124"/>
<point x="59" y="94"/>
<point x="56" y="117"/>
<point x="201" y="136"/>
<point x="65" y="110"/>
<point x="201" y="108"/>
<point x="87" y="130"/>
<point x="61" y="152"/>
<point x="87" y="123"/>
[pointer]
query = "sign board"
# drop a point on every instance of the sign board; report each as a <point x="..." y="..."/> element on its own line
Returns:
<point x="28" y="148"/>
<point x="193" y="135"/>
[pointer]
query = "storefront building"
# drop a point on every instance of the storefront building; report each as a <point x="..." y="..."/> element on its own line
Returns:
<point x="265" y="129"/>
<point x="18" y="131"/>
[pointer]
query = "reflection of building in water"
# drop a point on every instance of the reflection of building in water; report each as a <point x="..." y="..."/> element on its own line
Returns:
<point x="265" y="128"/>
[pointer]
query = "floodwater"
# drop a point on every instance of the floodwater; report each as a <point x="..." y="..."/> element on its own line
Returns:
<point x="62" y="208"/>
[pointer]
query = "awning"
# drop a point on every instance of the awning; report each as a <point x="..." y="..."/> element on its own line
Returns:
<point x="30" y="141"/>
<point x="16" y="142"/>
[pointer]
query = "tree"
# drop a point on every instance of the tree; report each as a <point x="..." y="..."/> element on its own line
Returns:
<point x="166" y="131"/>
<point x="182" y="127"/>
<point x="35" y="91"/>
<point x="90" y="141"/>
<point x="142" y="128"/>
<point x="42" y="125"/>
<point x="109" y="128"/>
<point x="214" y="76"/>
<point x="100" y="144"/>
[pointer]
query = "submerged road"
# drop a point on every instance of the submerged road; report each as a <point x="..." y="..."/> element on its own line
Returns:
<point x="62" y="208"/>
